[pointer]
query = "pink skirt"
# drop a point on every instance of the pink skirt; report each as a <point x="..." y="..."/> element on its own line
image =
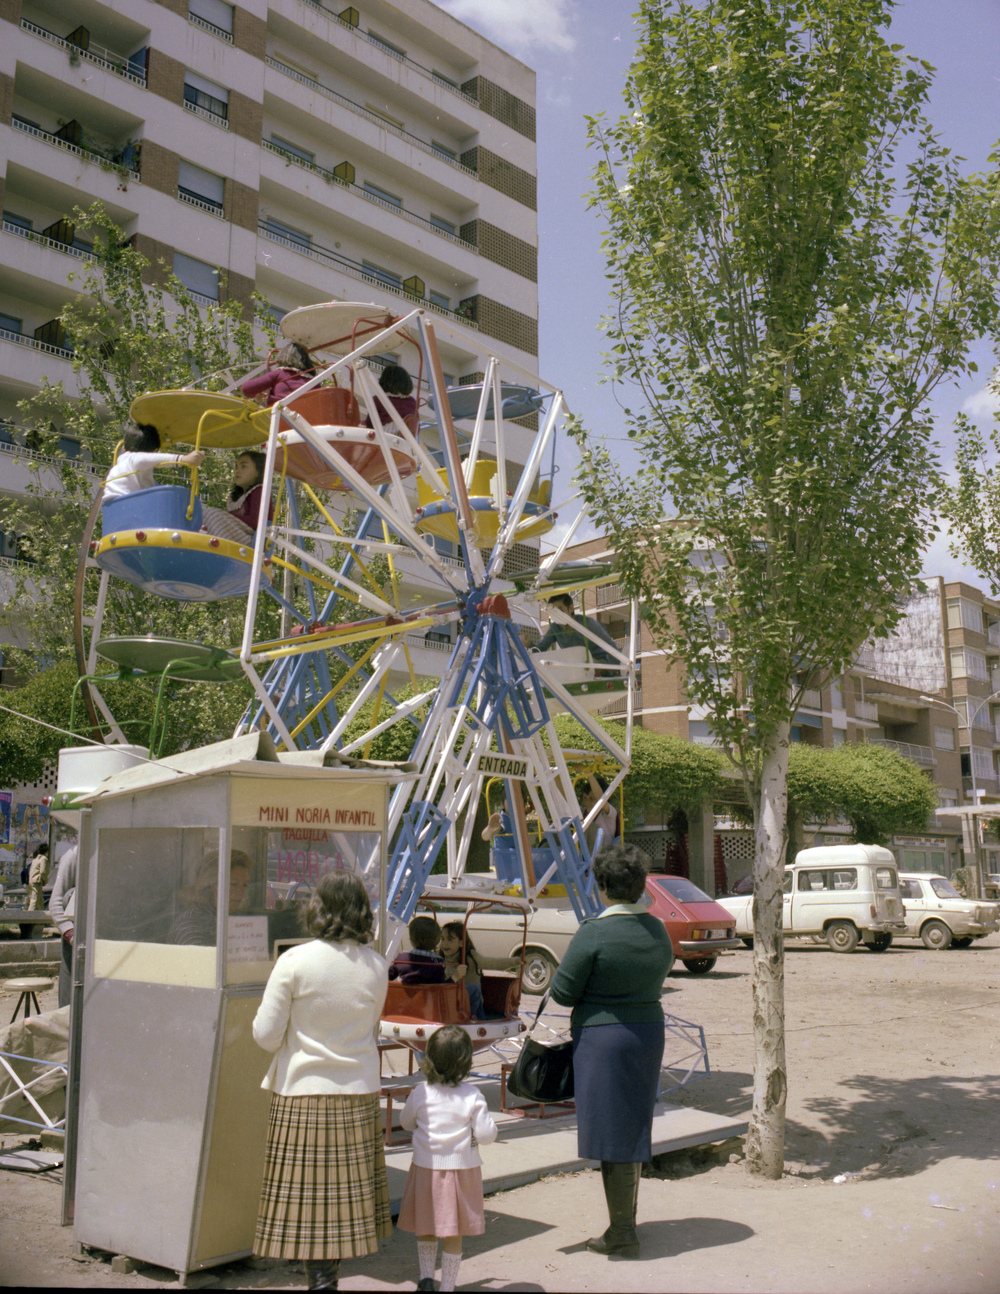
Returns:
<point x="443" y="1202"/>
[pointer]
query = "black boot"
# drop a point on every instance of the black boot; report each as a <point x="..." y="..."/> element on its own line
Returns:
<point x="322" y="1273"/>
<point x="621" y="1190"/>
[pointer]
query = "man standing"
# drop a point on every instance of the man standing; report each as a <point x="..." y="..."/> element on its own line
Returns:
<point x="62" y="909"/>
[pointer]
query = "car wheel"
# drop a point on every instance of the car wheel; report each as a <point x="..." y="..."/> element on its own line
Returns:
<point x="936" y="936"/>
<point x="538" y="971"/>
<point x="747" y="942"/>
<point x="879" y="943"/>
<point x="842" y="936"/>
<point x="964" y="942"/>
<point x="700" y="965"/>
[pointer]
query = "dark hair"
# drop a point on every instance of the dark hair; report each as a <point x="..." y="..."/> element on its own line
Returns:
<point x="563" y="597"/>
<point x="259" y="460"/>
<point x="143" y="438"/>
<point x="292" y="355"/>
<point x="339" y="910"/>
<point x="449" y="1056"/>
<point x="425" y="934"/>
<point x="620" y="871"/>
<point x="458" y="928"/>
<point x="395" y="380"/>
<point x="40" y="849"/>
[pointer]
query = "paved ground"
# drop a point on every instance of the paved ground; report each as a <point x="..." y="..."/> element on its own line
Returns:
<point x="892" y="1169"/>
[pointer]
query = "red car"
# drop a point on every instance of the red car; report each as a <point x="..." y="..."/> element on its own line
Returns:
<point x="699" y="928"/>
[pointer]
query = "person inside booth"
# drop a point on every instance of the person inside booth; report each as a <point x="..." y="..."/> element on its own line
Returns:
<point x="195" y="923"/>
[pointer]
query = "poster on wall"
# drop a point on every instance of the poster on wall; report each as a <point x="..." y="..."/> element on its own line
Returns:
<point x="6" y="806"/>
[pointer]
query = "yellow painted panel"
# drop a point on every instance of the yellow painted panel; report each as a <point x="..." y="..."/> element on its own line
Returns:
<point x="350" y="803"/>
<point x="187" y="965"/>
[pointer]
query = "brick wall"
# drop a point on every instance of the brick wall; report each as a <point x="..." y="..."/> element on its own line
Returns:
<point x="502" y="105"/>
<point x="241" y="204"/>
<point x="504" y="324"/>
<point x="502" y="248"/>
<point x="175" y="6"/>
<point x="503" y="176"/>
<point x="6" y="99"/>
<point x="249" y="32"/>
<point x="10" y="10"/>
<point x="159" y="167"/>
<point x="154" y="252"/>
<point x="165" y="76"/>
<point x="246" y="118"/>
<point x="237" y="287"/>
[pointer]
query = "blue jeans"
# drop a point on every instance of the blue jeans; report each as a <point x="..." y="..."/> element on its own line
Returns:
<point x="476" y="1001"/>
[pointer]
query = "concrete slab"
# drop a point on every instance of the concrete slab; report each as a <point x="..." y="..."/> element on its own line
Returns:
<point x="528" y="1149"/>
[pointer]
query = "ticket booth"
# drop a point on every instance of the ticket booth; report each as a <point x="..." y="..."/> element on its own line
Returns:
<point x="196" y="870"/>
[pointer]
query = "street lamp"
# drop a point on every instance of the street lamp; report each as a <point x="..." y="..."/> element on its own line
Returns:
<point x="967" y="723"/>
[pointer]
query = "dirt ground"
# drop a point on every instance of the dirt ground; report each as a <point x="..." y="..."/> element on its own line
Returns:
<point x="892" y="1178"/>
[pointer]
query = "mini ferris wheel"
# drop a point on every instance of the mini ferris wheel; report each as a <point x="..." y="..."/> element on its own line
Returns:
<point x="438" y="500"/>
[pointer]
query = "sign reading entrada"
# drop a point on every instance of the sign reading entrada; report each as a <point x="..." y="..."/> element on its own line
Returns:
<point x="503" y="766"/>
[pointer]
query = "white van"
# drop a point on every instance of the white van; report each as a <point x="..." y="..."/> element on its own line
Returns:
<point x="847" y="893"/>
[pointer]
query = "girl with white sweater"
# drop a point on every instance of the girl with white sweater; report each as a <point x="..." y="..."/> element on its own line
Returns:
<point x="443" y="1195"/>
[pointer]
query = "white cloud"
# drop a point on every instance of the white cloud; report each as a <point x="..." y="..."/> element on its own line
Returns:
<point x="519" y="25"/>
<point x="982" y="404"/>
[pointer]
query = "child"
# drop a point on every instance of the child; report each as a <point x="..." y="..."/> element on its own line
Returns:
<point x="422" y="965"/>
<point x="398" y="386"/>
<point x="443" y="1195"/>
<point x="241" y="516"/>
<point x="292" y="368"/>
<point x="469" y="971"/>
<point x="133" y="469"/>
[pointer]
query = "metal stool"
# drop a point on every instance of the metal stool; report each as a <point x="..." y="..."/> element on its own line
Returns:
<point x="29" y="989"/>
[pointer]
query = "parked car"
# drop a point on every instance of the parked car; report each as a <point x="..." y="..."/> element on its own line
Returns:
<point x="699" y="930"/>
<point x="845" y="893"/>
<point x="938" y="915"/>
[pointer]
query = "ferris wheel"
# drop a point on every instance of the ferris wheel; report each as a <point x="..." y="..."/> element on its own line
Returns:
<point x="437" y="501"/>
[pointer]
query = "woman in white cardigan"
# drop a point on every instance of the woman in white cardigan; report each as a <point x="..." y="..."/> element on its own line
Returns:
<point x="325" y="1194"/>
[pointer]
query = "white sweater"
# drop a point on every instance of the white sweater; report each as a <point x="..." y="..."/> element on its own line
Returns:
<point x="448" y="1123"/>
<point x="320" y="1014"/>
<point x="134" y="471"/>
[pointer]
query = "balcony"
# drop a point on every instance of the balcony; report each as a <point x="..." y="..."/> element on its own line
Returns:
<point x="918" y="754"/>
<point x="867" y="711"/>
<point x="611" y="595"/>
<point x="355" y="270"/>
<point x="92" y="52"/>
<point x="120" y="161"/>
<point x="29" y="234"/>
<point x="812" y="699"/>
<point x="60" y="352"/>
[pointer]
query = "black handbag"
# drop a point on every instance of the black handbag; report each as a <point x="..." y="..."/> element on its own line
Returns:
<point x="542" y="1072"/>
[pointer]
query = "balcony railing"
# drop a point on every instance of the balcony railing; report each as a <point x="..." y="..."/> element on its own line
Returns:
<point x="403" y="58"/>
<point x="319" y="88"/>
<point x="993" y="634"/>
<point x="325" y="257"/>
<point x="620" y="705"/>
<point x="36" y="456"/>
<point x="368" y="196"/>
<point x="206" y="113"/>
<point x="105" y="58"/>
<point x="88" y="154"/>
<point x="812" y="699"/>
<point x="918" y="754"/>
<point x="866" y="710"/>
<point x="203" y="204"/>
<point x="59" y="351"/>
<point x="609" y="594"/>
<point x="210" y="27"/>
<point x="29" y="234"/>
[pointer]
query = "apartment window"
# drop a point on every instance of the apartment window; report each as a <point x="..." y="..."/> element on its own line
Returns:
<point x="197" y="276"/>
<point x="968" y="663"/>
<point x="385" y="196"/>
<point x="444" y="150"/>
<point x="287" y="146"/>
<point x="947" y="797"/>
<point x="216" y="13"/>
<point x="22" y="222"/>
<point x="200" y="184"/>
<point x="439" y="222"/>
<point x="963" y="614"/>
<point x="439" y="299"/>
<point x="274" y="314"/>
<point x="837" y="693"/>
<point x="839" y="736"/>
<point x="944" y="738"/>
<point x="393" y="121"/>
<point x="386" y="44"/>
<point x="982" y="762"/>
<point x="9" y="324"/>
<point x="293" y="235"/>
<point x="207" y="95"/>
<point x="378" y="272"/>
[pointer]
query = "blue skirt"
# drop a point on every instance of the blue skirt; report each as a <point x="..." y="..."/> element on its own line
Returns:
<point x="616" y="1080"/>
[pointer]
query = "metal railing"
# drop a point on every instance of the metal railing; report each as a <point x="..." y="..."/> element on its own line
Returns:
<point x="203" y="204"/>
<point x="368" y="196"/>
<point x="365" y="112"/>
<point x="812" y="699"/>
<point x="866" y="710"/>
<point x="88" y="154"/>
<point x="29" y="234"/>
<point x="620" y="704"/>
<point x="918" y="754"/>
<point x="414" y="640"/>
<point x="199" y="111"/>
<point x="403" y="58"/>
<point x="19" y="338"/>
<point x="865" y="659"/>
<point x="610" y="594"/>
<point x="105" y="58"/>
<point x="53" y="460"/>
<point x="211" y="28"/>
<point x="325" y="257"/>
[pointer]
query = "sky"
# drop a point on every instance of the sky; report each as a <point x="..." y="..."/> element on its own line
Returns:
<point x="581" y="50"/>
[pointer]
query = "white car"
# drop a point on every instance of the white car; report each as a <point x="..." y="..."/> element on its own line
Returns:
<point x="937" y="914"/>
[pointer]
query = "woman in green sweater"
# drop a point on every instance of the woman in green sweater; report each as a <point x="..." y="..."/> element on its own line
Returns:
<point x="612" y="976"/>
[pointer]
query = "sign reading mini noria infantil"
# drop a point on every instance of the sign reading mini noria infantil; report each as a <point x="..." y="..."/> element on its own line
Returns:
<point x="503" y="766"/>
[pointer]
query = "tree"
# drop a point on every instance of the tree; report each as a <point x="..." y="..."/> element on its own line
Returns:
<point x="876" y="790"/>
<point x="972" y="503"/>
<point x="787" y="297"/>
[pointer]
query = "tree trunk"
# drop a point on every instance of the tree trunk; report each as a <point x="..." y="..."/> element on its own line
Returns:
<point x="766" y="1137"/>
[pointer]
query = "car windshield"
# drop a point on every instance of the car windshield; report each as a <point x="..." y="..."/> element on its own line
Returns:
<point x="681" y="889"/>
<point x="944" y="889"/>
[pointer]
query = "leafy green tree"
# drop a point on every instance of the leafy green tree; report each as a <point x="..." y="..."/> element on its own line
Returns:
<point x="796" y="264"/>
<point x="972" y="503"/>
<point x="876" y="790"/>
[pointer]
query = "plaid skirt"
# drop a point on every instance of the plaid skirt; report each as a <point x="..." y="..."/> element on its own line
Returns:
<point x="325" y="1192"/>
